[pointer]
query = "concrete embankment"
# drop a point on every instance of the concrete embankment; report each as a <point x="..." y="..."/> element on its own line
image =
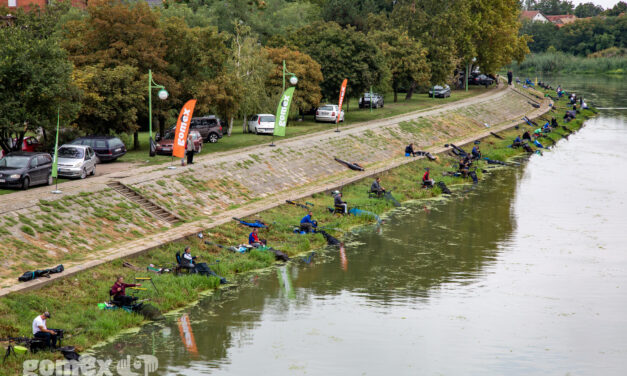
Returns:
<point x="97" y="224"/>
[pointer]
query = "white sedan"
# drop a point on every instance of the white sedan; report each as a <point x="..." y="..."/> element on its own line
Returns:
<point x="328" y="113"/>
<point x="261" y="123"/>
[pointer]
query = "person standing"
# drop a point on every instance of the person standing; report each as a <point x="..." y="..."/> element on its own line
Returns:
<point x="510" y="77"/>
<point x="189" y="147"/>
<point x="40" y="331"/>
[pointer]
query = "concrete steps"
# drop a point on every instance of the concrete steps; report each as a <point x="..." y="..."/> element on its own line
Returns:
<point x="156" y="210"/>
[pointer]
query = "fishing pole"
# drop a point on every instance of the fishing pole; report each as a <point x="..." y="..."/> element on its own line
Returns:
<point x="148" y="279"/>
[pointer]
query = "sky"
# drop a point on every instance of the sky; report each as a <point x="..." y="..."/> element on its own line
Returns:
<point x="604" y="3"/>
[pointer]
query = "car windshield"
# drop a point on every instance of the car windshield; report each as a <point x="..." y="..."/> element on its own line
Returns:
<point x="72" y="153"/>
<point x="327" y="108"/>
<point x="169" y="136"/>
<point x="438" y="87"/>
<point x="266" y="119"/>
<point x="14" y="161"/>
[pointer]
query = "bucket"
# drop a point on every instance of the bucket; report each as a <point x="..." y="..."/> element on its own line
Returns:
<point x="20" y="349"/>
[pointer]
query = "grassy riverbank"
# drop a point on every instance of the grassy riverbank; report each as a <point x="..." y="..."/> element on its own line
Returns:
<point x="73" y="300"/>
<point x="353" y="115"/>
<point x="560" y="62"/>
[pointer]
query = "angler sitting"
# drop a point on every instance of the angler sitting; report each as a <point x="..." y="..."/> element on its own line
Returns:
<point x="118" y="292"/>
<point x="338" y="203"/>
<point x="40" y="331"/>
<point x="476" y="153"/>
<point x="426" y="181"/>
<point x="554" y="122"/>
<point x="527" y="148"/>
<point x="376" y="187"/>
<point x="253" y="239"/>
<point x="409" y="151"/>
<point x="526" y="136"/>
<point x="307" y="224"/>
<point x="517" y="142"/>
<point x="464" y="166"/>
<point x="187" y="260"/>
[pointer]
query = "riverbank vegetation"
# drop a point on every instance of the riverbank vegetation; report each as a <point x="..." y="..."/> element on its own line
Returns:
<point x="73" y="300"/>
<point x="92" y="64"/>
<point x="560" y="62"/>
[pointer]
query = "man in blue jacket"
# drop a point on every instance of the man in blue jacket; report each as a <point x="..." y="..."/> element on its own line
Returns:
<point x="307" y="224"/>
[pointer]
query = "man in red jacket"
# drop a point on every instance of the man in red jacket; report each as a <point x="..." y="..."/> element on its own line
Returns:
<point x="118" y="292"/>
<point x="426" y="182"/>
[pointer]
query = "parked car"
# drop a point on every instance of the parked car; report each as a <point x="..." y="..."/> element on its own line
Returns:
<point x="76" y="161"/>
<point x="22" y="169"/>
<point x="107" y="148"/>
<point x="261" y="123"/>
<point x="209" y="127"/>
<point x="440" y="91"/>
<point x="482" y="79"/>
<point x="164" y="145"/>
<point x="30" y="144"/>
<point x="377" y="100"/>
<point x="328" y="113"/>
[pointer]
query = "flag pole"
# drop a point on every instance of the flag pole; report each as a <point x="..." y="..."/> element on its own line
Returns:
<point x="55" y="167"/>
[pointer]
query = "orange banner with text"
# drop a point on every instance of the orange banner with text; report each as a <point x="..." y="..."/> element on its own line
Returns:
<point x="182" y="128"/>
<point x="342" y="92"/>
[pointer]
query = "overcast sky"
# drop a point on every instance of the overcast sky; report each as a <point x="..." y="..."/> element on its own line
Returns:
<point x="604" y="3"/>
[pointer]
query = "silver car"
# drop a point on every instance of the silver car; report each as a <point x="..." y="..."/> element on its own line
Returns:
<point x="328" y="113"/>
<point x="76" y="161"/>
<point x="440" y="91"/>
<point x="261" y="123"/>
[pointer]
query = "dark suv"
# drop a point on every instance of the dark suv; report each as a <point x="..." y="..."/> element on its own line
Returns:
<point x="107" y="148"/>
<point x="209" y="127"/>
<point x="22" y="169"/>
<point x="377" y="100"/>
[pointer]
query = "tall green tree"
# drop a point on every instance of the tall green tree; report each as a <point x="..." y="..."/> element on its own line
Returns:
<point x="493" y="34"/>
<point x="405" y="57"/>
<point x="306" y="69"/>
<point x="353" y="13"/>
<point x="342" y="53"/>
<point x="116" y="34"/>
<point x="588" y="10"/>
<point x="553" y="7"/>
<point x="439" y="26"/>
<point x="543" y="35"/>
<point x="618" y="9"/>
<point x="35" y="82"/>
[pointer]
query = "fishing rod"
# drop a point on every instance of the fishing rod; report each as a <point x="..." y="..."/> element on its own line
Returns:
<point x="148" y="279"/>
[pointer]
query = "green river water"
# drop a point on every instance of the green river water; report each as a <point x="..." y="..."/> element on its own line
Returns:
<point x="523" y="274"/>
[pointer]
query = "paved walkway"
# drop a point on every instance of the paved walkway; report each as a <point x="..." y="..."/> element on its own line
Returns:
<point x="333" y="181"/>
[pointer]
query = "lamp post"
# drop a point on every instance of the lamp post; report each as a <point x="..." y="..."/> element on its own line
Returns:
<point x="163" y="95"/>
<point x="468" y="71"/>
<point x="293" y="79"/>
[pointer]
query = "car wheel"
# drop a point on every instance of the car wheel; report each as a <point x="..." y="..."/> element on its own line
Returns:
<point x="213" y="138"/>
<point x="83" y="173"/>
<point x="49" y="181"/>
<point x="93" y="171"/>
<point x="26" y="183"/>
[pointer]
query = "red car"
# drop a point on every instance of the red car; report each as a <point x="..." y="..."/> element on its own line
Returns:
<point x="164" y="145"/>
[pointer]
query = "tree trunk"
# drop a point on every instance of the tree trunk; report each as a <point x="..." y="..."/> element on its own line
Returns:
<point x="244" y="127"/>
<point x="410" y="92"/>
<point x="136" y="140"/>
<point x="395" y="95"/>
<point x="230" y="126"/>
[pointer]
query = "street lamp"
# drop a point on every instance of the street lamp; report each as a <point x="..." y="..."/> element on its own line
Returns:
<point x="293" y="79"/>
<point x="163" y="95"/>
<point x="468" y="71"/>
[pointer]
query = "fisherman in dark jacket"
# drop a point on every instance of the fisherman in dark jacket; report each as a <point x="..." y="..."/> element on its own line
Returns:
<point x="337" y="201"/>
<point x="409" y="151"/>
<point x="376" y="187"/>
<point x="526" y="136"/>
<point x="554" y="122"/>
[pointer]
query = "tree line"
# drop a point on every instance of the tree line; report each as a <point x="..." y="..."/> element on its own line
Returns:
<point x="582" y="10"/>
<point x="582" y="37"/>
<point x="92" y="65"/>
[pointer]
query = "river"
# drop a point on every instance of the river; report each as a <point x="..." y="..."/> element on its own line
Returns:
<point x="523" y="274"/>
